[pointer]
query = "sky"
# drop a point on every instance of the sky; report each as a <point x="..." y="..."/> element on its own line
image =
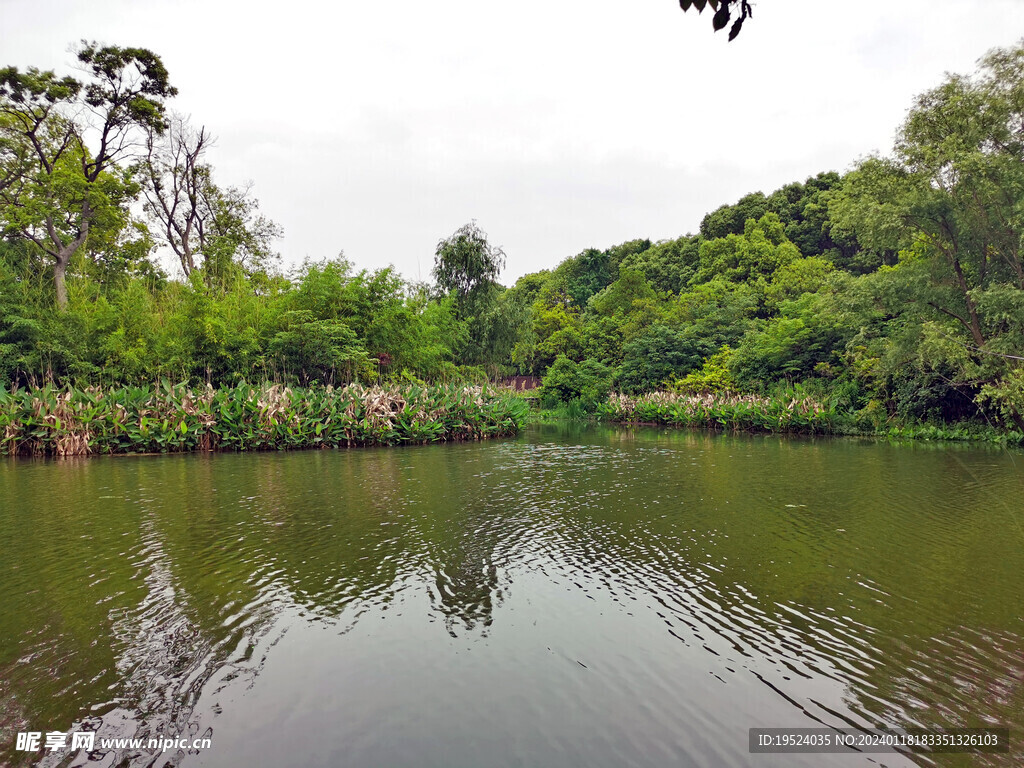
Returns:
<point x="377" y="129"/>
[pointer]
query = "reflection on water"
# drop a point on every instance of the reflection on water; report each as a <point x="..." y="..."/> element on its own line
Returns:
<point x="578" y="596"/>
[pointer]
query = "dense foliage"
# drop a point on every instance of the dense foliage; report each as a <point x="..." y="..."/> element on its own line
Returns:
<point x="893" y="294"/>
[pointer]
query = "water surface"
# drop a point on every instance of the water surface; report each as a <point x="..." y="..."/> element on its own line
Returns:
<point x="579" y="596"/>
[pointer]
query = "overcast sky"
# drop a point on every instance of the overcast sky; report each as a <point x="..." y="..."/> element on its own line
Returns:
<point x="379" y="128"/>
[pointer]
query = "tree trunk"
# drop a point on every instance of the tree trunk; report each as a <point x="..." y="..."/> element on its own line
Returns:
<point x="188" y="262"/>
<point x="60" y="269"/>
<point x="1017" y="418"/>
<point x="63" y="252"/>
<point x="972" y="310"/>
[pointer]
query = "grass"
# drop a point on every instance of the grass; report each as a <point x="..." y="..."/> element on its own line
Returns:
<point x="166" y="418"/>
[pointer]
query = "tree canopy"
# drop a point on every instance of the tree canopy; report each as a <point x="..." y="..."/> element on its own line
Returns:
<point x="59" y="186"/>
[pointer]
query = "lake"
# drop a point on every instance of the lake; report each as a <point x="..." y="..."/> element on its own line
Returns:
<point x="577" y="596"/>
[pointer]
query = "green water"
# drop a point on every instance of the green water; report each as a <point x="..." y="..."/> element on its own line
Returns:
<point x="575" y="597"/>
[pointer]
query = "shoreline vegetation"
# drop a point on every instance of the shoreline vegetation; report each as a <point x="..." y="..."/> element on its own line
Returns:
<point x="48" y="421"/>
<point x="800" y="414"/>
<point x="165" y="418"/>
<point x="886" y="301"/>
<point x="794" y="413"/>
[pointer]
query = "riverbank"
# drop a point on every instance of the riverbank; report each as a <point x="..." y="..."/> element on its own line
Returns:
<point x="798" y="414"/>
<point x="48" y="421"/>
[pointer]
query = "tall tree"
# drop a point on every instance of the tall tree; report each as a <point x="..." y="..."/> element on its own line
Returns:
<point x="467" y="266"/>
<point x="77" y="133"/>
<point x="950" y="200"/>
<point x="175" y="187"/>
<point x="197" y="219"/>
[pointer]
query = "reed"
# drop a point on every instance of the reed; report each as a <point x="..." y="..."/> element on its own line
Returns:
<point x="167" y="418"/>
<point x="799" y="413"/>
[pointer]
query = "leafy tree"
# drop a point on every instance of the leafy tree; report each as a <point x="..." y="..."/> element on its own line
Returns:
<point x="669" y="265"/>
<point x="797" y="277"/>
<point x="803" y="209"/>
<point x="789" y="346"/>
<point x="713" y="377"/>
<point x="21" y="332"/>
<point x="566" y="381"/>
<point x="125" y="334"/>
<point x="731" y="219"/>
<point x="662" y="353"/>
<point x="318" y="350"/>
<point x="949" y="201"/>
<point x="15" y="153"/>
<point x="467" y="266"/>
<point x="240" y="238"/>
<point x="436" y="333"/>
<point x="68" y="185"/>
<point x="559" y="333"/>
<point x="580" y="277"/>
<point x="621" y="296"/>
<point x="503" y="323"/>
<point x="718" y="311"/>
<point x="757" y="253"/>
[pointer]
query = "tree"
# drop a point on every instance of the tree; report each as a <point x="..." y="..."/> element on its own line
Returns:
<point x="803" y="210"/>
<point x="659" y="354"/>
<point x="467" y="265"/>
<point x="15" y="154"/>
<point x="668" y="265"/>
<point x="61" y="191"/>
<point x="46" y="210"/>
<point x="177" y="181"/>
<point x="588" y="382"/>
<point x="195" y="217"/>
<point x="758" y="252"/>
<point x="949" y="201"/>
<point x="580" y="277"/>
<point x="318" y="350"/>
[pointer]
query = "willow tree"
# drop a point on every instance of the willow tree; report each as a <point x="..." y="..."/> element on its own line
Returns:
<point x="73" y="141"/>
<point x="466" y="267"/>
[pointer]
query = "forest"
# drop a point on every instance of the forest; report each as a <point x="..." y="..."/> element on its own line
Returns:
<point x="891" y="294"/>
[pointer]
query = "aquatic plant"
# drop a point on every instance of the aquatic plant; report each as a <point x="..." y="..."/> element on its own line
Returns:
<point x="167" y="418"/>
<point x="799" y="413"/>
